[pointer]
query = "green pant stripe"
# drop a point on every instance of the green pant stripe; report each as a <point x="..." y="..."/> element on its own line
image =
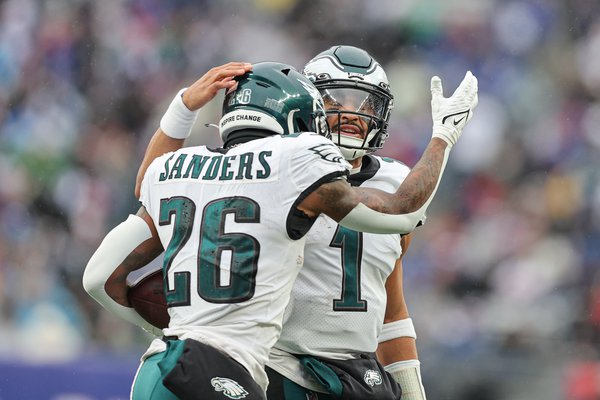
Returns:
<point x="148" y="382"/>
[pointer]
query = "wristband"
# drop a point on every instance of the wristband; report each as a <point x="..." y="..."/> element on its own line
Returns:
<point x="397" y="329"/>
<point x="178" y="120"/>
<point x="408" y="375"/>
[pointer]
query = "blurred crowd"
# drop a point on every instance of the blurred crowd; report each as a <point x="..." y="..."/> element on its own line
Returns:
<point x="503" y="280"/>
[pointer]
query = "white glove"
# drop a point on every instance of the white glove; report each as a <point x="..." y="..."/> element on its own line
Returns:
<point x="450" y="115"/>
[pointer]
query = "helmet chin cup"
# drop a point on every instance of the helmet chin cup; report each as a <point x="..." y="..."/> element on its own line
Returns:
<point x="352" y="154"/>
<point x="351" y="147"/>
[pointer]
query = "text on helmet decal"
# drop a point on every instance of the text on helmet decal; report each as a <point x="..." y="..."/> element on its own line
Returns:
<point x="356" y="75"/>
<point x="274" y="105"/>
<point x="241" y="97"/>
<point x="240" y="117"/>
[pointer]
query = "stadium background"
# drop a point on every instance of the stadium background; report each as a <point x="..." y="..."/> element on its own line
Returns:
<point x="502" y="281"/>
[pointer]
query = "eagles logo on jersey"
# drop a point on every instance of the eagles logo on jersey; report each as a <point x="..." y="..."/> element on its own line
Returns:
<point x="372" y="378"/>
<point x="229" y="387"/>
<point x="328" y="152"/>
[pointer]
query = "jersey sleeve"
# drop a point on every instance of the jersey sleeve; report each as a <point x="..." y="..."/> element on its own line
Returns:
<point x="391" y="174"/>
<point x="316" y="160"/>
<point x="145" y="192"/>
<point x="149" y="177"/>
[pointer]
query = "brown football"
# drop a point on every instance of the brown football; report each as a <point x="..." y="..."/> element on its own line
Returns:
<point x="147" y="297"/>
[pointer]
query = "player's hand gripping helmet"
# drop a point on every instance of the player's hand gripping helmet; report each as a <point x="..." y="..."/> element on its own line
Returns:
<point x="273" y="97"/>
<point x="352" y="83"/>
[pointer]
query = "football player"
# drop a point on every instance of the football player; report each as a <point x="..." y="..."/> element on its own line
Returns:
<point x="341" y="311"/>
<point x="233" y="221"/>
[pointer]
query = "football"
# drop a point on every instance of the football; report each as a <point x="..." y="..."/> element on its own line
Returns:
<point x="147" y="297"/>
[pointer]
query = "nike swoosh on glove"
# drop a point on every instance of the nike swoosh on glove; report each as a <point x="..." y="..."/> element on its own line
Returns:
<point x="450" y="115"/>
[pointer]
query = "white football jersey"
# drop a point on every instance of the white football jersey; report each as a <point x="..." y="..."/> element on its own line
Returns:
<point x="233" y="243"/>
<point x="338" y="300"/>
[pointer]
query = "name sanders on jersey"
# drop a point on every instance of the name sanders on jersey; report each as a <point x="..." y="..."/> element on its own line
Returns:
<point x="247" y="166"/>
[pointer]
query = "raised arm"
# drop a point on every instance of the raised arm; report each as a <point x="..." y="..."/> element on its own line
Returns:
<point x="176" y="124"/>
<point x="376" y="211"/>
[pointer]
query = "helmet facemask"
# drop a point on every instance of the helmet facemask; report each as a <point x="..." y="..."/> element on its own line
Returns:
<point x="358" y="116"/>
<point x="353" y="86"/>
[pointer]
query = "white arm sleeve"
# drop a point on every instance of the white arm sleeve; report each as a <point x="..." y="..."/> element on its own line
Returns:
<point x="408" y="375"/>
<point x="364" y="219"/>
<point x="117" y="245"/>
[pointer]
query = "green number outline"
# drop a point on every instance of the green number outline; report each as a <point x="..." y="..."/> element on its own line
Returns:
<point x="351" y="243"/>
<point x="245" y="249"/>
<point x="183" y="209"/>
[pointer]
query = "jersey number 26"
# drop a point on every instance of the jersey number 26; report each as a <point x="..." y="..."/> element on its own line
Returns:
<point x="244" y="249"/>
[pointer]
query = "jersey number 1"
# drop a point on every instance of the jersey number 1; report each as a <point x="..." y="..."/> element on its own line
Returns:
<point x="351" y="243"/>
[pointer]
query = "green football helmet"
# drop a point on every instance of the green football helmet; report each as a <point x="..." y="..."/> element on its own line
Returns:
<point x="273" y="97"/>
